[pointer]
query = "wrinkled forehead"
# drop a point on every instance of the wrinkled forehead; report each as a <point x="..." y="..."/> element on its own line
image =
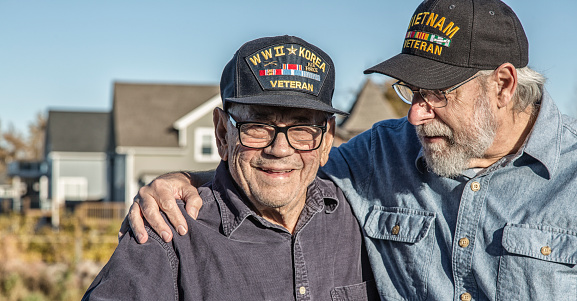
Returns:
<point x="274" y="113"/>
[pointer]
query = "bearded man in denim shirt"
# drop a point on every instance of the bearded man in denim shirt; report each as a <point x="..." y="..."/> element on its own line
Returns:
<point x="471" y="196"/>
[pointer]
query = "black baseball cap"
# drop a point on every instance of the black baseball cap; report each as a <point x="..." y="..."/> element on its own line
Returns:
<point x="283" y="71"/>
<point x="448" y="41"/>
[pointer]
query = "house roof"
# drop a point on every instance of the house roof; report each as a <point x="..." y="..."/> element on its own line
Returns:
<point x="144" y="114"/>
<point x="370" y="106"/>
<point x="70" y="131"/>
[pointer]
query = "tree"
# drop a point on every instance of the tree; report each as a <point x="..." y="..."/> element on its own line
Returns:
<point x="35" y="145"/>
<point x="15" y="146"/>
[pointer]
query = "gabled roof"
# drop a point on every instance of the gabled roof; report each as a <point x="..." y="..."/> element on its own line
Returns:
<point x="144" y="114"/>
<point x="69" y="131"/>
<point x="370" y="106"/>
<point x="185" y="121"/>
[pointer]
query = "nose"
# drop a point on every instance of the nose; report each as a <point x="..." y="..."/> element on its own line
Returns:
<point x="420" y="111"/>
<point x="280" y="147"/>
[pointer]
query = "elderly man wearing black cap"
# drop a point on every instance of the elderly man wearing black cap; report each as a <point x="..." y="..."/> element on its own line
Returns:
<point x="471" y="196"/>
<point x="269" y="228"/>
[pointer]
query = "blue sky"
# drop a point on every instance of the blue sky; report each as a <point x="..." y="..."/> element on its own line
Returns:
<point x="66" y="55"/>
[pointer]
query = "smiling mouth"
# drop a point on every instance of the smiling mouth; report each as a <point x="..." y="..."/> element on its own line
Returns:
<point x="275" y="171"/>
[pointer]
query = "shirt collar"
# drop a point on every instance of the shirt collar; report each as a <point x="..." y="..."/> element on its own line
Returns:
<point x="543" y="143"/>
<point x="234" y="205"/>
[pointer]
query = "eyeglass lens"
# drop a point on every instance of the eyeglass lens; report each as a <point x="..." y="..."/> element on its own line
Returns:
<point x="299" y="137"/>
<point x="434" y="97"/>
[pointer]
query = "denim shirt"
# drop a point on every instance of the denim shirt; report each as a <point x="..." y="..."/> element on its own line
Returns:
<point x="232" y="253"/>
<point x="508" y="232"/>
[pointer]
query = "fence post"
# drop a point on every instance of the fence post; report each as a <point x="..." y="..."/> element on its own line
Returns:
<point x="78" y="234"/>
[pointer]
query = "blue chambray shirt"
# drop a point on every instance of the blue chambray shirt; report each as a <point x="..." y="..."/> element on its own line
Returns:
<point x="507" y="233"/>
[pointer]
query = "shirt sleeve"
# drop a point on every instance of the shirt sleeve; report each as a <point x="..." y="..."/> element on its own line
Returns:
<point x="350" y="165"/>
<point x="137" y="272"/>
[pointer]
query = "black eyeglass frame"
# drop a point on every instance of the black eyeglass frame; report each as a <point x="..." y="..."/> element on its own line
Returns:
<point x="277" y="129"/>
<point x="423" y="94"/>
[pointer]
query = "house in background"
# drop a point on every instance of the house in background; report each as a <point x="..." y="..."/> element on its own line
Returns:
<point x="370" y="106"/>
<point x="157" y="128"/>
<point x="75" y="152"/>
<point x="152" y="129"/>
<point x="29" y="187"/>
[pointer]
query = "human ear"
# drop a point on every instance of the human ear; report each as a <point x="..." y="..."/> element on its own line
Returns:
<point x="220" y="121"/>
<point x="506" y="77"/>
<point x="327" y="143"/>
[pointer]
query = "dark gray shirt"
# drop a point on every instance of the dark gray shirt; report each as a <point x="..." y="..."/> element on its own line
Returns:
<point x="231" y="253"/>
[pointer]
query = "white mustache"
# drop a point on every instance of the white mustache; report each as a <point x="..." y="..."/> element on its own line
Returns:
<point x="434" y="128"/>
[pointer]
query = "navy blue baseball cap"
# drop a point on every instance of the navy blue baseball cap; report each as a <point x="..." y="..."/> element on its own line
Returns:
<point x="283" y="71"/>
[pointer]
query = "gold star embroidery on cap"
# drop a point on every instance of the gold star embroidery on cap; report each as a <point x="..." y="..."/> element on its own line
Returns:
<point x="292" y="50"/>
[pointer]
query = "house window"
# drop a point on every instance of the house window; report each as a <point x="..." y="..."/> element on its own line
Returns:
<point x="205" y="145"/>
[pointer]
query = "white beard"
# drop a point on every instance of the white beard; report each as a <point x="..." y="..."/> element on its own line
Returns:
<point x="451" y="158"/>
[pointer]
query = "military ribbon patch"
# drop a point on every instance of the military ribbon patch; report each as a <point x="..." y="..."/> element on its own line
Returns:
<point x="428" y="37"/>
<point x="297" y="68"/>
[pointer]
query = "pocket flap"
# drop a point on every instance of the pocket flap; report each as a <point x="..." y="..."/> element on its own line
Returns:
<point x="398" y="224"/>
<point x="543" y="242"/>
<point x="357" y="292"/>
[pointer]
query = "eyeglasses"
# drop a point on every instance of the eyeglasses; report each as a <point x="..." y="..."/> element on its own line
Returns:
<point x="260" y="135"/>
<point x="435" y="98"/>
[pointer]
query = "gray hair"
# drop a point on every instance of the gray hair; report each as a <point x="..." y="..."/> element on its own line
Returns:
<point x="238" y="110"/>
<point x="529" y="88"/>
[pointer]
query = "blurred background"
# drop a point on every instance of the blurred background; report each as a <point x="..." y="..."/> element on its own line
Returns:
<point x="99" y="97"/>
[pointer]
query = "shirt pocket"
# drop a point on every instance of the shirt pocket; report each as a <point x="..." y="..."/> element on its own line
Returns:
<point x="402" y="240"/>
<point x="356" y="292"/>
<point x="538" y="263"/>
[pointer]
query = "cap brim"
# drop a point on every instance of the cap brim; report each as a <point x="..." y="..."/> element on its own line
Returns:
<point x="289" y="101"/>
<point x="422" y="72"/>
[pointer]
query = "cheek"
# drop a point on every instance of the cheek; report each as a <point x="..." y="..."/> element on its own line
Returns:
<point x="311" y="162"/>
<point x="239" y="160"/>
<point x="456" y="117"/>
<point x="241" y="155"/>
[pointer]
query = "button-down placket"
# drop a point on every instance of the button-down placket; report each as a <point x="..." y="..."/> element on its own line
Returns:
<point x="312" y="207"/>
<point x="301" y="275"/>
<point x="471" y="209"/>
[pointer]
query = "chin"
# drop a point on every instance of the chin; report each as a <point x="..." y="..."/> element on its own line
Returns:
<point x="277" y="197"/>
<point x="272" y="202"/>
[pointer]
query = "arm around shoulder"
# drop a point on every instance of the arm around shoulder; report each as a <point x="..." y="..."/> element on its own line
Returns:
<point x="161" y="195"/>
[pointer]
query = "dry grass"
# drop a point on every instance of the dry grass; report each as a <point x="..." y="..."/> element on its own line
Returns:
<point x="38" y="263"/>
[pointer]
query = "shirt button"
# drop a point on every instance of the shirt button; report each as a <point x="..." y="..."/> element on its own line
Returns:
<point x="463" y="242"/>
<point x="302" y="290"/>
<point x="466" y="297"/>
<point x="395" y="230"/>
<point x="546" y="250"/>
<point x="475" y="186"/>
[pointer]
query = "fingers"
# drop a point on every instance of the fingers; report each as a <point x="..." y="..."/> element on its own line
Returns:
<point x="168" y="205"/>
<point x="162" y="193"/>
<point x="193" y="204"/>
<point x="136" y="223"/>
<point x="150" y="211"/>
